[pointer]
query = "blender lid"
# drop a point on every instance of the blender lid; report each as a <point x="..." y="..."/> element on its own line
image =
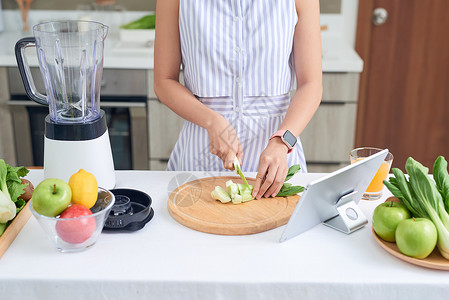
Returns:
<point x="131" y="211"/>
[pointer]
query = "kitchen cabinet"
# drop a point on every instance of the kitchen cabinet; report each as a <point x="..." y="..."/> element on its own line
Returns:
<point x="327" y="139"/>
<point x="7" y="150"/>
<point x="164" y="128"/>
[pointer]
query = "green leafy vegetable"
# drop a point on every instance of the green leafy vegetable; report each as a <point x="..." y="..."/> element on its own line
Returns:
<point x="292" y="171"/>
<point x="145" y="22"/>
<point x="441" y="177"/>
<point x="11" y="188"/>
<point x="15" y="186"/>
<point x="287" y="188"/>
<point x="422" y="197"/>
<point x="2" y="228"/>
<point x="8" y="208"/>
<point x="290" y="191"/>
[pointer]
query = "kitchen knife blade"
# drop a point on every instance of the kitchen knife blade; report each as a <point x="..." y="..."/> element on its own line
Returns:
<point x="239" y="171"/>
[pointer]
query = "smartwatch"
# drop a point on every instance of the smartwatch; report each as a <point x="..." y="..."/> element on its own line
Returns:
<point x="287" y="137"/>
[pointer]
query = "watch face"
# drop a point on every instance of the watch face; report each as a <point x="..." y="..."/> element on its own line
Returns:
<point x="289" y="138"/>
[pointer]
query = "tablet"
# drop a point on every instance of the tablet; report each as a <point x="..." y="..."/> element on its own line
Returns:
<point x="333" y="199"/>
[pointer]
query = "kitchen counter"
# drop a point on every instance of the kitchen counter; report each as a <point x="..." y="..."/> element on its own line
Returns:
<point x="166" y="260"/>
<point x="116" y="54"/>
<point x="338" y="55"/>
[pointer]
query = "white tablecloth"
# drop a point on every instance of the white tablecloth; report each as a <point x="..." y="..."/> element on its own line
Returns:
<point x="166" y="260"/>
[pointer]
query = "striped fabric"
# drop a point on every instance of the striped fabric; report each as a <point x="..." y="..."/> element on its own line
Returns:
<point x="254" y="128"/>
<point x="237" y="60"/>
<point x="227" y="40"/>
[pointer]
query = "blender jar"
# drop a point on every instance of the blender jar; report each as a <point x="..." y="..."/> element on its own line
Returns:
<point x="70" y="55"/>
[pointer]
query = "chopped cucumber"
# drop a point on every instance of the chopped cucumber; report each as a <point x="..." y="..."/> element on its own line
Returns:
<point x="242" y="187"/>
<point x="220" y="193"/>
<point x="237" y="199"/>
<point x="233" y="188"/>
<point x="235" y="192"/>
<point x="247" y="197"/>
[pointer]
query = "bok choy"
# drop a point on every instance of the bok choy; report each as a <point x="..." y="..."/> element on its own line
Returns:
<point x="11" y="188"/>
<point x="7" y="206"/>
<point x="423" y="197"/>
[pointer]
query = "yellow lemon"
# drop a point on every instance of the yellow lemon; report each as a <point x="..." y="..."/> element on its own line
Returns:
<point x="84" y="188"/>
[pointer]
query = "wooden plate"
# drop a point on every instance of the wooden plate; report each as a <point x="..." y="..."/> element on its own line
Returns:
<point x="192" y="205"/>
<point x="13" y="229"/>
<point x="434" y="261"/>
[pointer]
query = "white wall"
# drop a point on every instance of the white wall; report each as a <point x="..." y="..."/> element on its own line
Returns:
<point x="1" y="19"/>
<point x="344" y="24"/>
<point x="349" y="10"/>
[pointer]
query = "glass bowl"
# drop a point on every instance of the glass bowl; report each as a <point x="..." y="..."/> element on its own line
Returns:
<point x="76" y="234"/>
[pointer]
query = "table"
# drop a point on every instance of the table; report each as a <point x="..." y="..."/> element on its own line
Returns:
<point x="166" y="260"/>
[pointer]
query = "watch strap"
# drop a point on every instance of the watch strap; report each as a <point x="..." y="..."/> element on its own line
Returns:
<point x="280" y="133"/>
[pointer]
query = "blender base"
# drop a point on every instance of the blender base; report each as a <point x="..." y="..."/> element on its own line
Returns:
<point x="64" y="158"/>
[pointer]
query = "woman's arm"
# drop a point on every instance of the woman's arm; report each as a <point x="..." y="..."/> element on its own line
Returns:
<point x="307" y="58"/>
<point x="167" y="62"/>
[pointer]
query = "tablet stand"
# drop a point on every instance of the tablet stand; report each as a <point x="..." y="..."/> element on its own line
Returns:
<point x="349" y="217"/>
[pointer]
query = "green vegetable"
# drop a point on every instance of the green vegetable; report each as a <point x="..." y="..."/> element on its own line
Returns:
<point x="290" y="191"/>
<point x="232" y="188"/>
<point x="11" y="188"/>
<point x="287" y="188"/>
<point x="7" y="207"/>
<point x="220" y="194"/>
<point x="292" y="171"/>
<point x="421" y="196"/>
<point x="2" y="228"/>
<point x="247" y="197"/>
<point x="15" y="186"/>
<point x="145" y="22"/>
<point x="441" y="177"/>
<point x="238" y="193"/>
<point x="246" y="192"/>
<point x="237" y="199"/>
<point x="235" y="192"/>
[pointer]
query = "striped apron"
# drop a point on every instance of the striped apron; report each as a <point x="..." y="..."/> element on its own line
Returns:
<point x="237" y="59"/>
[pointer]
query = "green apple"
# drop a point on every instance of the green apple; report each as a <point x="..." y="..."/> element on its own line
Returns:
<point x="416" y="237"/>
<point x="386" y="218"/>
<point x="51" y="197"/>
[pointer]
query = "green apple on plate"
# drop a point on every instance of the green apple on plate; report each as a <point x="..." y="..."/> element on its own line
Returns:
<point x="416" y="237"/>
<point x="386" y="218"/>
<point x="51" y="197"/>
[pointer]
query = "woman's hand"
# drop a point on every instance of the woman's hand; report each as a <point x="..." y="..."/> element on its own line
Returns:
<point x="273" y="169"/>
<point x="224" y="142"/>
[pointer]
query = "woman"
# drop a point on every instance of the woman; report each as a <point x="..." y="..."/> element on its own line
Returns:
<point x="239" y="58"/>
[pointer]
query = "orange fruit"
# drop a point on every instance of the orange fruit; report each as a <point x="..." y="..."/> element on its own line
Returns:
<point x="84" y="188"/>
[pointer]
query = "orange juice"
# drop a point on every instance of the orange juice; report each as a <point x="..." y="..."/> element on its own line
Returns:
<point x="377" y="184"/>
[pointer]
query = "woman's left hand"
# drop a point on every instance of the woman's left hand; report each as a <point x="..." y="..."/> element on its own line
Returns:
<point x="273" y="169"/>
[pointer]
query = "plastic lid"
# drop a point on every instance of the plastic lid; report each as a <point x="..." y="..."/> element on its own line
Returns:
<point x="131" y="211"/>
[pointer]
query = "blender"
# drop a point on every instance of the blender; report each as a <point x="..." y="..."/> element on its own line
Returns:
<point x="70" y="55"/>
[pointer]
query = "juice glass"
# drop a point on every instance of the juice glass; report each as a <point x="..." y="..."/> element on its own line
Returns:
<point x="375" y="188"/>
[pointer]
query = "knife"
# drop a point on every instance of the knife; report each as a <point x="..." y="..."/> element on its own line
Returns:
<point x="239" y="171"/>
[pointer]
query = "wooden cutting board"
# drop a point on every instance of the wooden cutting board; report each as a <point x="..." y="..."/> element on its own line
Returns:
<point x="13" y="229"/>
<point x="192" y="205"/>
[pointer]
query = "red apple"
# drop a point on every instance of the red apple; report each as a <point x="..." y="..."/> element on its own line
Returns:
<point x="78" y="230"/>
